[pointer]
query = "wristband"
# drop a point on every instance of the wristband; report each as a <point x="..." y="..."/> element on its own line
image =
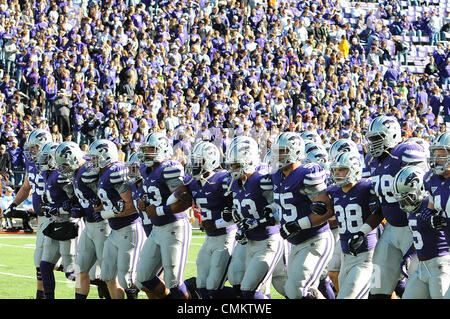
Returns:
<point x="106" y="214"/>
<point x="304" y="222"/>
<point x="220" y="223"/>
<point x="365" y="229"/>
<point x="160" y="211"/>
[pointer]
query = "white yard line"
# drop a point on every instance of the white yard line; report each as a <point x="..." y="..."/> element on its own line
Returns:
<point x="17" y="246"/>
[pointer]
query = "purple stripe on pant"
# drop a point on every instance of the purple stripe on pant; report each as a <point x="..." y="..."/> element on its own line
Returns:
<point x="320" y="264"/>
<point x="272" y="264"/>
<point x="186" y="242"/>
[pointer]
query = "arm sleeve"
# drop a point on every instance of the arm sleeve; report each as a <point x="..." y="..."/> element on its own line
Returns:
<point x="118" y="179"/>
<point x="313" y="181"/>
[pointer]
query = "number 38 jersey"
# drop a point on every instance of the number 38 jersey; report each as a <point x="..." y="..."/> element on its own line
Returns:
<point x="37" y="185"/>
<point x="289" y="194"/>
<point x="159" y="184"/>
<point x="112" y="182"/>
<point x="351" y="211"/>
<point x="383" y="172"/>
<point x="249" y="200"/>
<point x="210" y="199"/>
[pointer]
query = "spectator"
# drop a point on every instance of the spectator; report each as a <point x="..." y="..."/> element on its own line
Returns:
<point x="17" y="163"/>
<point x="5" y="165"/>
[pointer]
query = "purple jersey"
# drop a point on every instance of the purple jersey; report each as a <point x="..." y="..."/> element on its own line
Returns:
<point x="111" y="184"/>
<point x="438" y="187"/>
<point x="37" y="185"/>
<point x="210" y="199"/>
<point x="56" y="188"/>
<point x="288" y="193"/>
<point x="159" y="183"/>
<point x="83" y="192"/>
<point x="249" y="200"/>
<point x="428" y="242"/>
<point x="351" y="211"/>
<point x="383" y="173"/>
<point x="137" y="191"/>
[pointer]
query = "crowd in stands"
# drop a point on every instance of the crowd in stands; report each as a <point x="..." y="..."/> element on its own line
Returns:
<point x="211" y="70"/>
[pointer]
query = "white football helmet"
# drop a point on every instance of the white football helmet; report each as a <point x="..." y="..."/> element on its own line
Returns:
<point x="384" y="133"/>
<point x="242" y="158"/>
<point x="310" y="146"/>
<point x="101" y="153"/>
<point x="348" y="160"/>
<point x="408" y="188"/>
<point x="342" y="145"/>
<point x="34" y="143"/>
<point x="160" y="149"/>
<point x="311" y="136"/>
<point x="320" y="157"/>
<point x="69" y="157"/>
<point x="242" y="139"/>
<point x="133" y="168"/>
<point x="46" y="157"/>
<point x="440" y="163"/>
<point x="204" y="158"/>
<point x="288" y="148"/>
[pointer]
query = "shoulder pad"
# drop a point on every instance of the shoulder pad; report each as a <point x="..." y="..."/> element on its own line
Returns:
<point x="266" y="183"/>
<point x="313" y="174"/>
<point x="117" y="173"/>
<point x="173" y="171"/>
<point x="410" y="153"/>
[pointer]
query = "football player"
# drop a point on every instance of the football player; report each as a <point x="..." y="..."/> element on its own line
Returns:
<point x="386" y="156"/>
<point x="353" y="202"/>
<point x="251" y="194"/>
<point x="33" y="183"/>
<point x="295" y="185"/>
<point x="61" y="232"/>
<point x="208" y="186"/>
<point x="168" y="244"/>
<point x="71" y="165"/>
<point x="123" y="245"/>
<point x="432" y="278"/>
<point x="135" y="180"/>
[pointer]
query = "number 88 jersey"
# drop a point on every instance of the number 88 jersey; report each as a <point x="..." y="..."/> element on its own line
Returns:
<point x="382" y="173"/>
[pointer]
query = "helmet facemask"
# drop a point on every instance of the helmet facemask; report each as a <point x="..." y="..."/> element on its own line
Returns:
<point x="439" y="159"/>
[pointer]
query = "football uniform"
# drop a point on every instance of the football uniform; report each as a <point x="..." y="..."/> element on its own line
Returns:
<point x="93" y="237"/>
<point x="168" y="243"/>
<point x="432" y="278"/>
<point x="38" y="189"/>
<point x="351" y="210"/>
<point x="59" y="191"/>
<point x="396" y="238"/>
<point x="214" y="255"/>
<point x="265" y="245"/>
<point x="137" y="192"/>
<point x="311" y="248"/>
<point x="123" y="245"/>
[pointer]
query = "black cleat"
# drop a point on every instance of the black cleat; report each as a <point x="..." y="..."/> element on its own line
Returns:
<point x="191" y="285"/>
<point x="132" y="293"/>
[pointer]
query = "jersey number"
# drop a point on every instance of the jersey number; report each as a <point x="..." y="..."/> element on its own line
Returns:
<point x="384" y="187"/>
<point x="349" y="219"/>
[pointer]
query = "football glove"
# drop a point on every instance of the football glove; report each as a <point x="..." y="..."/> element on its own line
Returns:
<point x="438" y="221"/>
<point x="289" y="229"/>
<point x="374" y="205"/>
<point x="7" y="212"/>
<point x="319" y="208"/>
<point x="227" y="215"/>
<point x="240" y="237"/>
<point x="270" y="216"/>
<point x="248" y="223"/>
<point x="118" y="207"/>
<point x="355" y="241"/>
<point x="406" y="260"/>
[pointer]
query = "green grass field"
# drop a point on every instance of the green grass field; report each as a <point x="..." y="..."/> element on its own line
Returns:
<point x="18" y="274"/>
